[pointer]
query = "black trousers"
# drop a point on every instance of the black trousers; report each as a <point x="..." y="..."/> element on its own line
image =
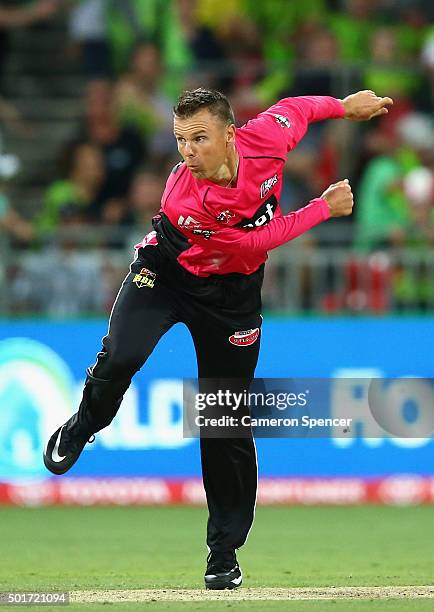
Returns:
<point x="156" y="294"/>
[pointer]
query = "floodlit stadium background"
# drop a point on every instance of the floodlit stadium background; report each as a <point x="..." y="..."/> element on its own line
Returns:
<point x="86" y="145"/>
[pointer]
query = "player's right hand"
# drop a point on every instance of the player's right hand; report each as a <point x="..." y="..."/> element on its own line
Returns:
<point x="339" y="198"/>
<point x="365" y="105"/>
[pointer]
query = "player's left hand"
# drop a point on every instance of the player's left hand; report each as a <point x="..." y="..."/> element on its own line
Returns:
<point x="365" y="105"/>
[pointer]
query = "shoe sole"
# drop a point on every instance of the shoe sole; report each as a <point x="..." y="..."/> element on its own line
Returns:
<point x="221" y="586"/>
<point x="56" y="468"/>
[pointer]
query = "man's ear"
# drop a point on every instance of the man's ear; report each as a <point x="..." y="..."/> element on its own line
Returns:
<point x="230" y="134"/>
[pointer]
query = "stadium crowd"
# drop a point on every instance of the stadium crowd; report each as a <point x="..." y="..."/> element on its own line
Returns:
<point x="137" y="55"/>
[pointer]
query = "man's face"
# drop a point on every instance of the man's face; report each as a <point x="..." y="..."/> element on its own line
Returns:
<point x="203" y="140"/>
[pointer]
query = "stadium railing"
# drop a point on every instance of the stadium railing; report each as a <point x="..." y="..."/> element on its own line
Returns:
<point x="77" y="273"/>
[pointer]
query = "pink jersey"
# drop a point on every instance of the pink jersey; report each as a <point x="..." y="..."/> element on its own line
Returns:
<point x="210" y="229"/>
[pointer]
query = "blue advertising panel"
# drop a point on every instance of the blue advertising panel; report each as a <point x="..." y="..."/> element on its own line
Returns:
<point x="42" y="369"/>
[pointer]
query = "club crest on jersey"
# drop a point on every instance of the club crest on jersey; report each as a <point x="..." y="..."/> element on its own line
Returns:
<point x="145" y="278"/>
<point x="267" y="185"/>
<point x="281" y="120"/>
<point x="244" y="338"/>
<point x="225" y="216"/>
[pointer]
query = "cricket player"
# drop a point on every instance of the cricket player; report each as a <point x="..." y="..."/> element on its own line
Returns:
<point x="203" y="266"/>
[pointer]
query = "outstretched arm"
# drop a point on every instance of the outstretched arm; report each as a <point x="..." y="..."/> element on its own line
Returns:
<point x="336" y="201"/>
<point x="286" y="121"/>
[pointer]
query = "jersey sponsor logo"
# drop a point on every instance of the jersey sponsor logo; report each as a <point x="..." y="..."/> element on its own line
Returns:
<point x="282" y="120"/>
<point x="195" y="226"/>
<point x="205" y="233"/>
<point x="145" y="278"/>
<point x="267" y="185"/>
<point x="262" y="216"/>
<point x="244" y="338"/>
<point x="225" y="216"/>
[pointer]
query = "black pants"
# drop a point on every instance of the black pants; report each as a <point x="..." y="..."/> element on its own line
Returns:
<point x="155" y="295"/>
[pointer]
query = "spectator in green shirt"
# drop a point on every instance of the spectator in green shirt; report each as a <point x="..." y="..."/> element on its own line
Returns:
<point x="383" y="212"/>
<point x="388" y="71"/>
<point x="158" y="20"/>
<point x="353" y="27"/>
<point x="69" y="200"/>
<point x="139" y="101"/>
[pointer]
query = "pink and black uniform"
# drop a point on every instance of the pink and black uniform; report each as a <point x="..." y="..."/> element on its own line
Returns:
<point x="215" y="230"/>
<point x="203" y="266"/>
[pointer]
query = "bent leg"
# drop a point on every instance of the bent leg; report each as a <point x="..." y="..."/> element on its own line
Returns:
<point x="140" y="316"/>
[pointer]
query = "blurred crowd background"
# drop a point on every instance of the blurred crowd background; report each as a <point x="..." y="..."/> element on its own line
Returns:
<point x="87" y="89"/>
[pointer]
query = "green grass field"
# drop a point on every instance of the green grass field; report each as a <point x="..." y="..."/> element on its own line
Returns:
<point x="76" y="549"/>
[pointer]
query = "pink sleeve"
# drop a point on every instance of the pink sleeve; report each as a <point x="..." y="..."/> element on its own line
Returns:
<point x="289" y="118"/>
<point x="278" y="231"/>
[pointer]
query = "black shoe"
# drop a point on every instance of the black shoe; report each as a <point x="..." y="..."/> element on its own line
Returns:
<point x="223" y="571"/>
<point x="65" y="446"/>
